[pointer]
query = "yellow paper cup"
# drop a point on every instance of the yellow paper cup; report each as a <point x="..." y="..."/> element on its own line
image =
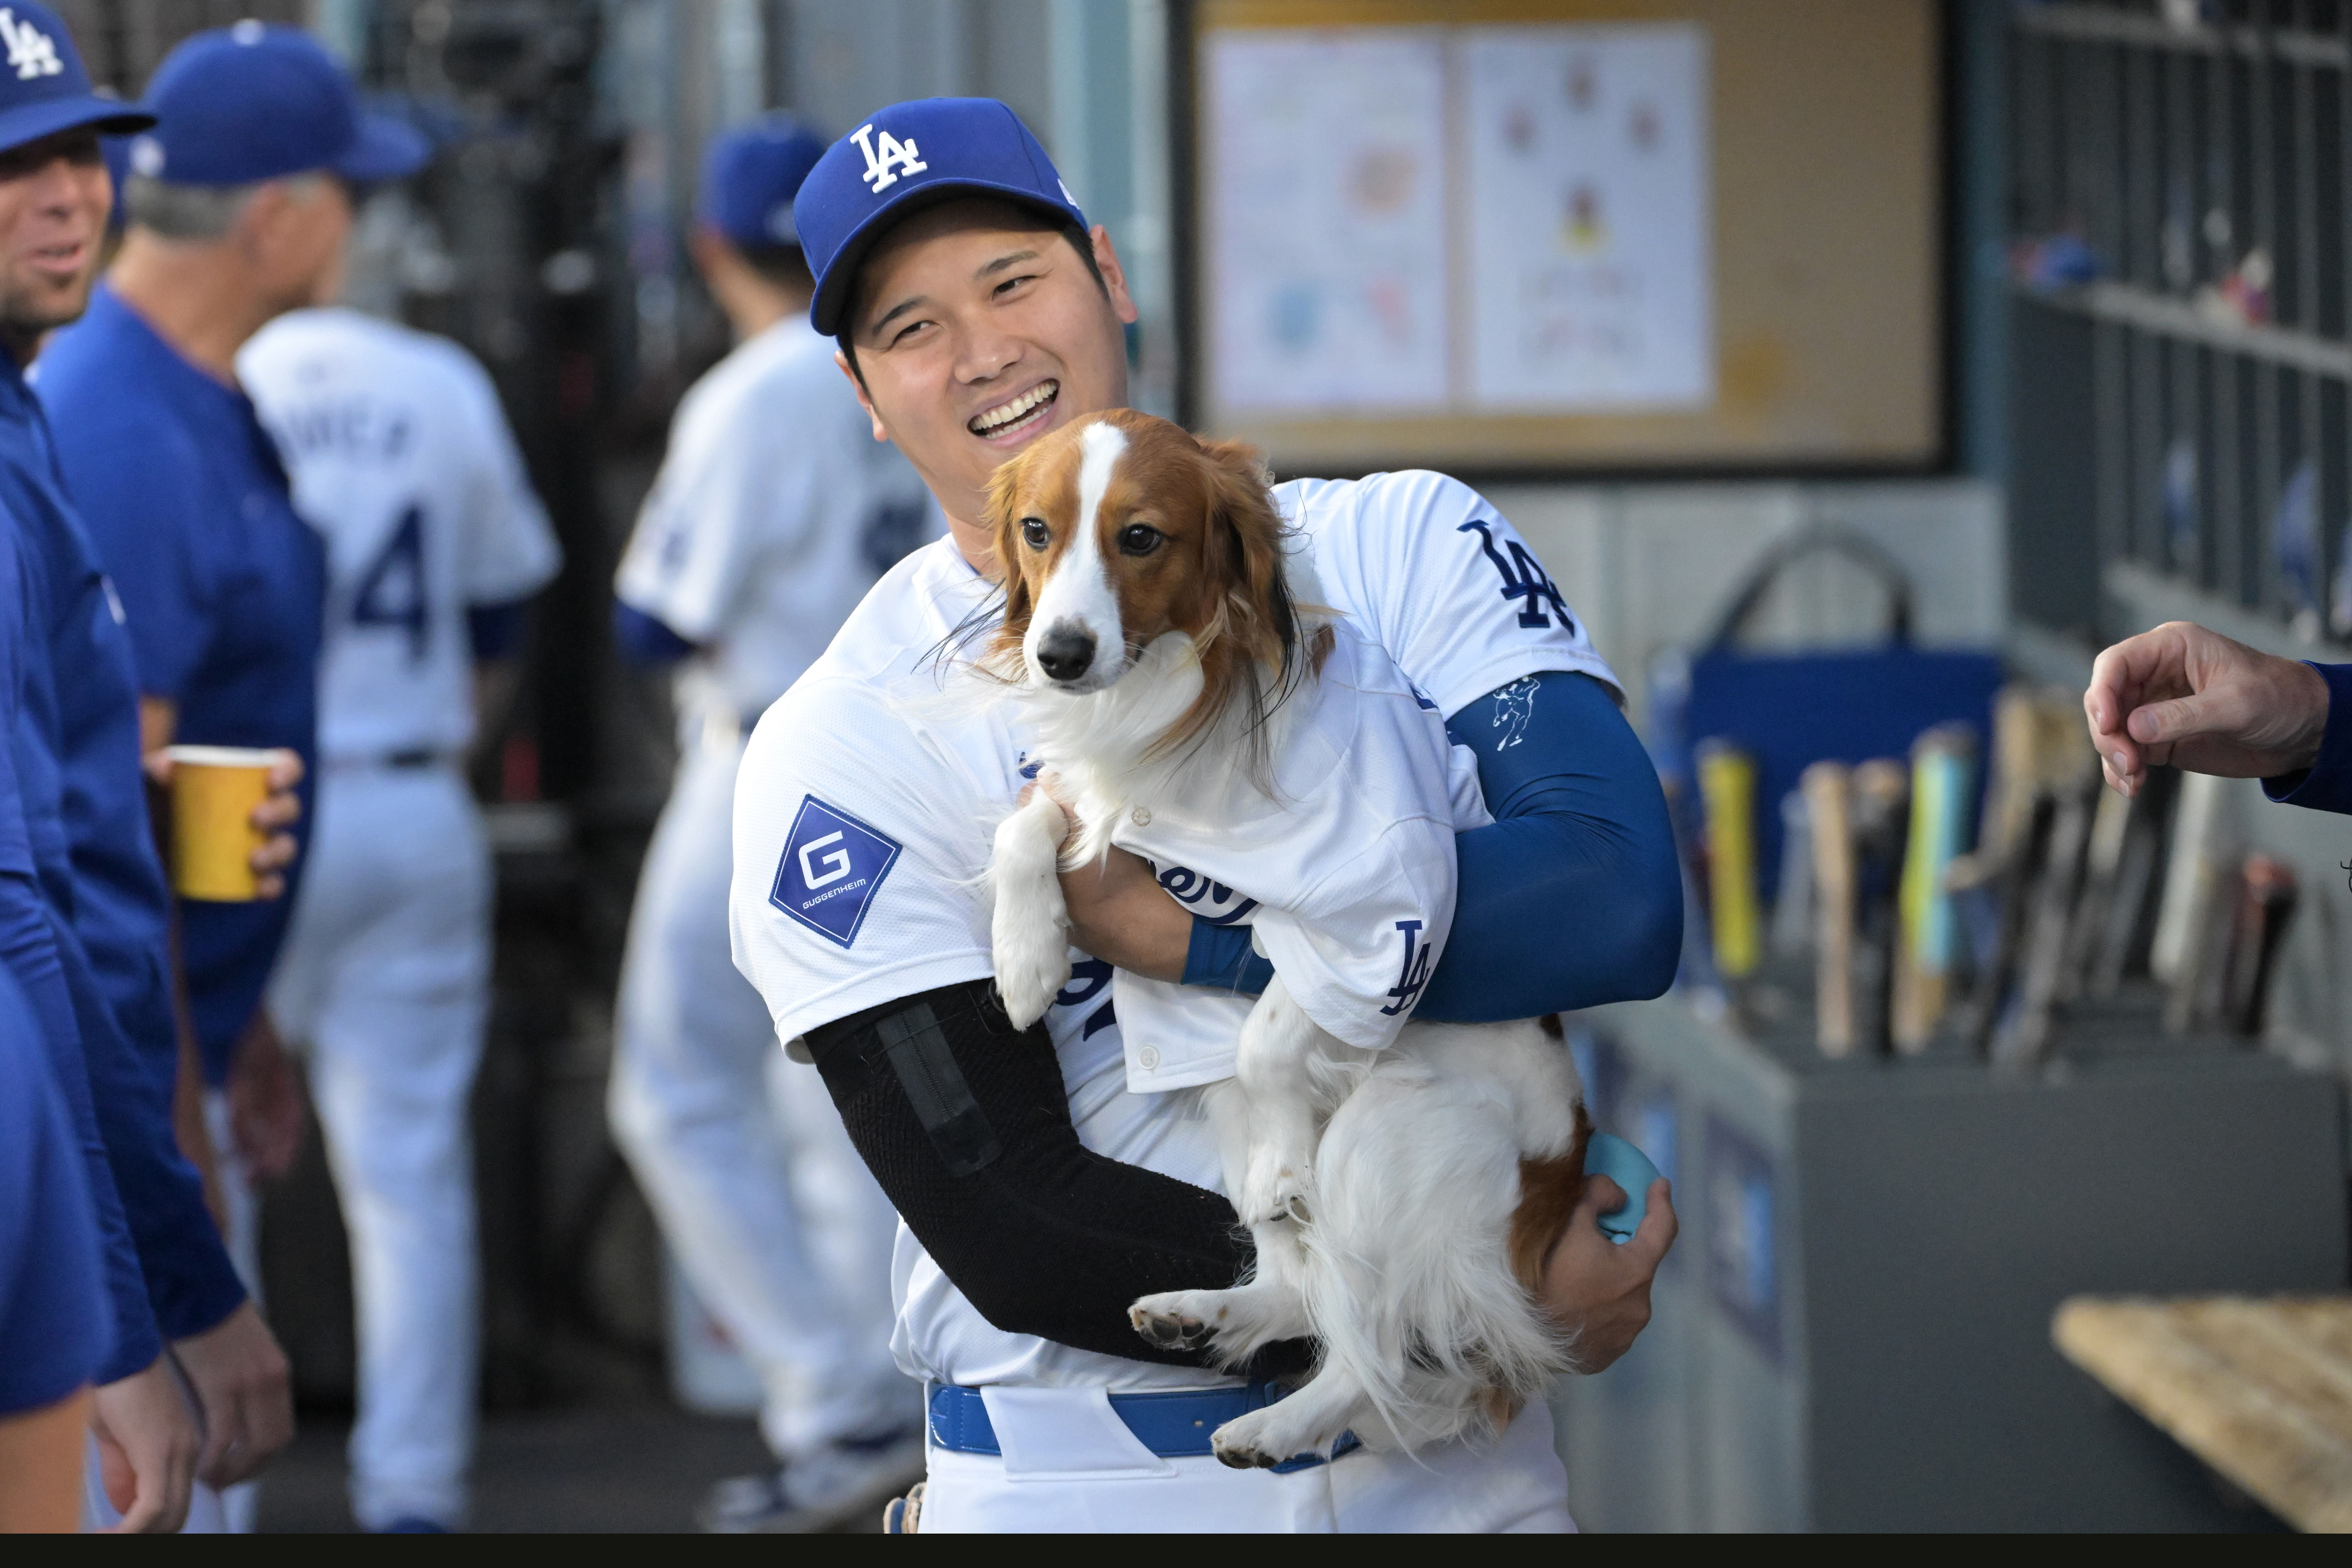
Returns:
<point x="215" y="790"/>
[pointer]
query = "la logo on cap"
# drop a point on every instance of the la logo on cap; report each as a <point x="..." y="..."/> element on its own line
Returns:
<point x="32" y="52"/>
<point x="894" y="158"/>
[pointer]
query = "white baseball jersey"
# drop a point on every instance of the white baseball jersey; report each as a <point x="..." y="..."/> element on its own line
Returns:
<point x="401" y="457"/>
<point x="1347" y="865"/>
<point x="774" y="511"/>
<point x="866" y="798"/>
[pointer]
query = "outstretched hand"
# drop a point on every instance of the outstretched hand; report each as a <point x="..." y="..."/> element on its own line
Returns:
<point x="2193" y="698"/>
<point x="1598" y="1289"/>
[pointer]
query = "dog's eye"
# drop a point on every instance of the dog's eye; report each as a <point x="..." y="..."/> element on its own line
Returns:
<point x="1138" y="539"/>
<point x="1034" y="529"/>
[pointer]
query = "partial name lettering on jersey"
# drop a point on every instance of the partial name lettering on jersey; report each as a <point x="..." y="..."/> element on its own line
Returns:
<point x="832" y="868"/>
<point x="1090" y="978"/>
<point x="356" y="426"/>
<point x="1207" y="900"/>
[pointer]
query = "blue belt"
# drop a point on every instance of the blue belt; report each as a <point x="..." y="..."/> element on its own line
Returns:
<point x="1173" y="1426"/>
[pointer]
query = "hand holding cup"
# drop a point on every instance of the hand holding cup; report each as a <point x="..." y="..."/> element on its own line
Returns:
<point x="232" y="809"/>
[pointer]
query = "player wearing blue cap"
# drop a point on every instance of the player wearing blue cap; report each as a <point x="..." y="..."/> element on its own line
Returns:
<point x="81" y="721"/>
<point x="1048" y="1177"/>
<point x="402" y="458"/>
<point x="772" y="517"/>
<point x="238" y="211"/>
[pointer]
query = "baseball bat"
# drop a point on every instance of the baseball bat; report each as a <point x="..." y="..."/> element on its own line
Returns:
<point x="1826" y="787"/>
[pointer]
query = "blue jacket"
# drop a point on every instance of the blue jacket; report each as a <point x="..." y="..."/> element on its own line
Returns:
<point x="224" y="586"/>
<point x="2326" y="785"/>
<point x="121" y="907"/>
<point x="38" y="945"/>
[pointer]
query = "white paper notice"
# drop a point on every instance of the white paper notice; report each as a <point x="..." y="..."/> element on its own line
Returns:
<point x="1589" y="250"/>
<point x="1324" y="182"/>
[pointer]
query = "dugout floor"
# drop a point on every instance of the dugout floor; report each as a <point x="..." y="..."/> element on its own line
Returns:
<point x="596" y="1469"/>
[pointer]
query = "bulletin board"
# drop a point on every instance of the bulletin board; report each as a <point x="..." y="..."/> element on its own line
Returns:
<point x="1549" y="235"/>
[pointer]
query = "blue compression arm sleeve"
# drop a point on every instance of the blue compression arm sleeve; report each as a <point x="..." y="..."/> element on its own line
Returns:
<point x="1571" y="898"/>
<point x="644" y="640"/>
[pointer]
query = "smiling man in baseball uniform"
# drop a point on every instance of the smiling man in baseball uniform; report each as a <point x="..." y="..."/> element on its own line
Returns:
<point x="773" y="515"/>
<point x="1048" y="1177"/>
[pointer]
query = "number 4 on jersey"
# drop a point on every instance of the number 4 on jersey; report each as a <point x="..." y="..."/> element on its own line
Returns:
<point x="1523" y="579"/>
<point x="392" y="590"/>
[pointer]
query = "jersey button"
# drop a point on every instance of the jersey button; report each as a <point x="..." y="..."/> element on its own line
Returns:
<point x="1140" y="817"/>
<point x="1149" y="1057"/>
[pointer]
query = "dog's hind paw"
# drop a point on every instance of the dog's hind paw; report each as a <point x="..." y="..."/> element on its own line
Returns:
<point x="1252" y="1442"/>
<point x="1164" y="1321"/>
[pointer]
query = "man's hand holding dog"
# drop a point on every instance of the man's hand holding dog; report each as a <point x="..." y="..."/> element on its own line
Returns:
<point x="1598" y="1289"/>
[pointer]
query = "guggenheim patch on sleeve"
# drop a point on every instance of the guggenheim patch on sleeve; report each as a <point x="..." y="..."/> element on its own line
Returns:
<point x="833" y="867"/>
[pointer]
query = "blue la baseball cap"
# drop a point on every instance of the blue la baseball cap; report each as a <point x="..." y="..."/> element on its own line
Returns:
<point x="45" y="88"/>
<point x="750" y="176"/>
<point x="260" y="101"/>
<point x="908" y="156"/>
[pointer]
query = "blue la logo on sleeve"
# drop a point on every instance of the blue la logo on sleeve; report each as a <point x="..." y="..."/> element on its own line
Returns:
<point x="832" y="868"/>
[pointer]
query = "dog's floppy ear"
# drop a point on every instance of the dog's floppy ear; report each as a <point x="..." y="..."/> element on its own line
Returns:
<point x="1246" y="549"/>
<point x="1000" y="516"/>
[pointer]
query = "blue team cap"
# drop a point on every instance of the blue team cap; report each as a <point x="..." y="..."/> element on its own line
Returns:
<point x="259" y="101"/>
<point x="750" y="176"/>
<point x="44" y="87"/>
<point x="907" y="157"/>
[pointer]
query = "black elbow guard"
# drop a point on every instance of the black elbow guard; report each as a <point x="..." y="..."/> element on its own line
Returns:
<point x="965" y="1120"/>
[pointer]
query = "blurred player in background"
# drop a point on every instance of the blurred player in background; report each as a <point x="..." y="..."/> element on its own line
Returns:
<point x="402" y="459"/>
<point x="773" y="513"/>
<point x="238" y="208"/>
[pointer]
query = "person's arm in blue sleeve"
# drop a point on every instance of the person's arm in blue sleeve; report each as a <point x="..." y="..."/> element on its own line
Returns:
<point x="52" y="1317"/>
<point x="494" y="632"/>
<point x="2326" y="785"/>
<point x="192" y="1285"/>
<point x="2183" y="696"/>
<point x="1570" y="898"/>
<point x="30" y="948"/>
<point x="646" y="641"/>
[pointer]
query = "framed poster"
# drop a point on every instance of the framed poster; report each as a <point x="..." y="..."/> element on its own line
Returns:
<point x="1576" y="236"/>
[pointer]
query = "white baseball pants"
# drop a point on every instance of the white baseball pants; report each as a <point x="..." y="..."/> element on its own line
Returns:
<point x="385" y="981"/>
<point x="767" y="1208"/>
<point x="1071" y="1467"/>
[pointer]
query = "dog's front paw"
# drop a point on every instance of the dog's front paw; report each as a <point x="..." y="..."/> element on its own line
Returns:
<point x="1031" y="967"/>
<point x="1172" y="1320"/>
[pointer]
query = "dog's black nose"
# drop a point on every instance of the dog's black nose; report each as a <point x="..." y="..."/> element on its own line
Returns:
<point x="1065" y="652"/>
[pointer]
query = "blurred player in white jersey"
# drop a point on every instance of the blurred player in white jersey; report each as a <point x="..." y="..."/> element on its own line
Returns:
<point x="401" y="457"/>
<point x="773" y="513"/>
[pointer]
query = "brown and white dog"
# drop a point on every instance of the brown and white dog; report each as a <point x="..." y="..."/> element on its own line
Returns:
<point x="1161" y="634"/>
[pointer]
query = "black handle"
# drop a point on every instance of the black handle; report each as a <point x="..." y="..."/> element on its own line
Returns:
<point x="1864" y="553"/>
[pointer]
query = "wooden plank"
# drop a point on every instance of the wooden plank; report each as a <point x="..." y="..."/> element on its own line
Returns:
<point x="2260" y="1390"/>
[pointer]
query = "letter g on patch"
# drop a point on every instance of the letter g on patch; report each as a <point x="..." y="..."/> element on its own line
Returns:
<point x="832" y="866"/>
